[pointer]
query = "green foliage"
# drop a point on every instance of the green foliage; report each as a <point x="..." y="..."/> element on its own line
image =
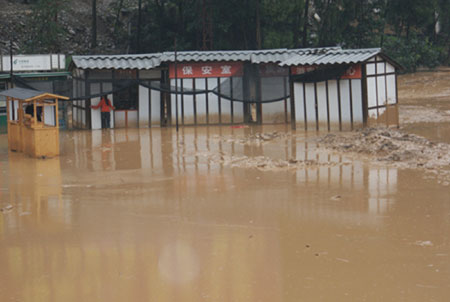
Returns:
<point x="412" y="52"/>
<point x="405" y="28"/>
<point x="47" y="34"/>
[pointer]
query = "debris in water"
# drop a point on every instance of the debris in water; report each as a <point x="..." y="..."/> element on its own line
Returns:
<point x="343" y="260"/>
<point x="423" y="243"/>
<point x="337" y="197"/>
<point x="7" y="208"/>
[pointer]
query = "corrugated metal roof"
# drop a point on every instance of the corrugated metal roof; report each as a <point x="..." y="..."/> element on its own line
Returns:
<point x="253" y="56"/>
<point x="21" y="93"/>
<point x="283" y="56"/>
<point x="147" y="61"/>
<point x="336" y="56"/>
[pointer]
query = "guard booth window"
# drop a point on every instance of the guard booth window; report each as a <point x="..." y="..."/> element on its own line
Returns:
<point x="126" y="95"/>
<point x="126" y="99"/>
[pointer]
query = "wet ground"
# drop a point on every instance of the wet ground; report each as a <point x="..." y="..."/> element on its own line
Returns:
<point x="219" y="214"/>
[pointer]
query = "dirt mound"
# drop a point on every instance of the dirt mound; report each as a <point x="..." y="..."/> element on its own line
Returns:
<point x="263" y="163"/>
<point x="401" y="149"/>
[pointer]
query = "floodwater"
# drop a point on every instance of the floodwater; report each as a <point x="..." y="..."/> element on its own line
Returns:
<point x="424" y="99"/>
<point x="149" y="215"/>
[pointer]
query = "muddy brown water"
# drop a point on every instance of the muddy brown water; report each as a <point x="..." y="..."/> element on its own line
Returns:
<point x="424" y="99"/>
<point x="144" y="215"/>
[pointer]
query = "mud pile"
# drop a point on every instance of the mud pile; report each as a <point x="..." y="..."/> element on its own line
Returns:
<point x="401" y="149"/>
<point x="263" y="163"/>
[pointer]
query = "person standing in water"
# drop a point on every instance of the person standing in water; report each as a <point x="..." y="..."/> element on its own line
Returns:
<point x="105" y="107"/>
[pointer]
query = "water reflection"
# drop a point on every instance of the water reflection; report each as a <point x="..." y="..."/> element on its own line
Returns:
<point x="35" y="192"/>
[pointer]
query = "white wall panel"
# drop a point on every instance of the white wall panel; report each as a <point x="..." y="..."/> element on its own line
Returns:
<point x="310" y="103"/>
<point x="225" y="104"/>
<point x="371" y="92"/>
<point x="357" y="101"/>
<point x="298" y="98"/>
<point x="370" y="69"/>
<point x="389" y="68"/>
<point x="322" y="103"/>
<point x="188" y="103"/>
<point x="345" y="102"/>
<point x="155" y="107"/>
<point x="213" y="102"/>
<point x="201" y="102"/>
<point x="381" y="86"/>
<point x="380" y="68"/>
<point x="391" y="89"/>
<point x="143" y="106"/>
<point x="333" y="102"/>
<point x="238" y="107"/>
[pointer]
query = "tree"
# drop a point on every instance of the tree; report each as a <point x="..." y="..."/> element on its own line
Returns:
<point x="46" y="34"/>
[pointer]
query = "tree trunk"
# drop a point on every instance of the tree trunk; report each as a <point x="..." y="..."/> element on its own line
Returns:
<point x="138" y="44"/>
<point x="94" y="24"/>
<point x="116" y="22"/>
<point x="305" y="24"/>
<point x="258" y="27"/>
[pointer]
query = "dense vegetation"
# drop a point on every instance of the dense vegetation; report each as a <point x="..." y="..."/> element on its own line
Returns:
<point x="414" y="32"/>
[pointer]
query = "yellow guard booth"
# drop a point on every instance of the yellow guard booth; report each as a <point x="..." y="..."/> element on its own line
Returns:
<point x="33" y="121"/>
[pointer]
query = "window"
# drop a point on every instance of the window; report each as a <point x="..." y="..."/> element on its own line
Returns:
<point x="126" y="95"/>
<point x="126" y="99"/>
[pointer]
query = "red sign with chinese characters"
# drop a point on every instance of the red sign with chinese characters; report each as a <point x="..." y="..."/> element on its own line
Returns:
<point x="302" y="69"/>
<point x="353" y="72"/>
<point x="206" y="70"/>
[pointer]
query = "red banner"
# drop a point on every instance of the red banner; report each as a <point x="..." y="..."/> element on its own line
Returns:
<point x="302" y="69"/>
<point x="206" y="70"/>
<point x="354" y="72"/>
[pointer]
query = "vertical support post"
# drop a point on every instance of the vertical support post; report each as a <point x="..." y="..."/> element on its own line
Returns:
<point x="285" y="100"/>
<point x="231" y="101"/>
<point x="339" y="103"/>
<point x="56" y="114"/>
<point x="386" y="96"/>
<point x="19" y="112"/>
<point x="176" y="86"/>
<point x="35" y="112"/>
<point x="328" y="105"/>
<point x="207" y="101"/>
<point x="316" y="106"/>
<point x="396" y="98"/>
<point x="150" y="105"/>
<point x="259" y="113"/>
<point x="376" y="88"/>
<point x="220" y="101"/>
<point x="182" y="101"/>
<point x="351" y="102"/>
<point x="11" y="74"/>
<point x="13" y="112"/>
<point x="8" y="100"/>
<point x="304" y="106"/>
<point x="292" y="101"/>
<point x="195" y="102"/>
<point x="365" y="106"/>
